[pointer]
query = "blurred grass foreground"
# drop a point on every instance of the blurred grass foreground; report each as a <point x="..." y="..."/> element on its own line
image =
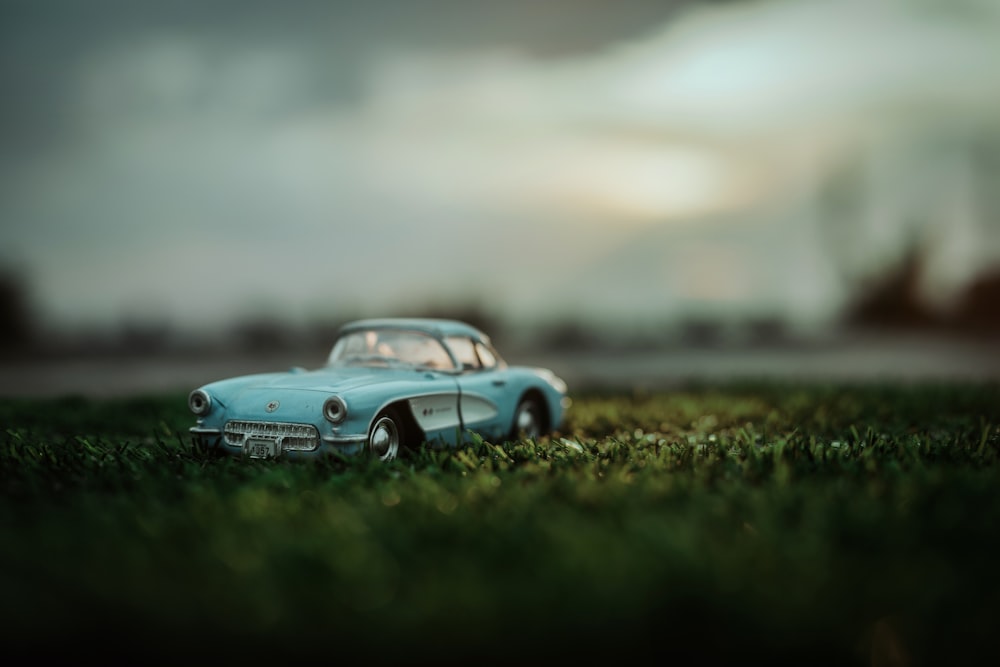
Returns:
<point x="775" y="523"/>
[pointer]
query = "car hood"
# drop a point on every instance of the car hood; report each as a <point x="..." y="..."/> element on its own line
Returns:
<point x="332" y="380"/>
<point x="297" y="396"/>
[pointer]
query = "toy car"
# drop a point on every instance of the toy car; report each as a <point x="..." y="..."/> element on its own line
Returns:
<point x="388" y="383"/>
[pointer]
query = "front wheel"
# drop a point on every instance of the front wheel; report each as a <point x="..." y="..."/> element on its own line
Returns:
<point x="384" y="437"/>
<point x="528" y="419"/>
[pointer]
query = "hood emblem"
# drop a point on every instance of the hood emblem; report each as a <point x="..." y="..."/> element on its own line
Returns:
<point x="272" y="406"/>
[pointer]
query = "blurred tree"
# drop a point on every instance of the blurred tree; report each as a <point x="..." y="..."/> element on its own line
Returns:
<point x="568" y="335"/>
<point x="894" y="302"/>
<point x="143" y="337"/>
<point x="16" y="319"/>
<point x="910" y="222"/>
<point x="702" y="332"/>
<point x="766" y="330"/>
<point x="892" y="299"/>
<point x="262" y="334"/>
<point x="979" y="308"/>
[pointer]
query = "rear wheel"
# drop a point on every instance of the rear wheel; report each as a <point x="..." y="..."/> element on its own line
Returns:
<point x="385" y="436"/>
<point x="528" y="419"/>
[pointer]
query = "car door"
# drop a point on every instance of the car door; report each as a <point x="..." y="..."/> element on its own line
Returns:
<point x="436" y="408"/>
<point x="482" y="385"/>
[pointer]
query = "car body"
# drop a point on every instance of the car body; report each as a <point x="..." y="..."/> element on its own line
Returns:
<point x="387" y="383"/>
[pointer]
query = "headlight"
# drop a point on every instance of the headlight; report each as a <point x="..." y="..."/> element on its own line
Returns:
<point x="335" y="410"/>
<point x="557" y="382"/>
<point x="199" y="402"/>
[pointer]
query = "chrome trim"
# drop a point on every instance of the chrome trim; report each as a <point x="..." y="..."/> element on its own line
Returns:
<point x="340" y="415"/>
<point x="469" y="401"/>
<point x="344" y="439"/>
<point x="433" y="334"/>
<point x="289" y="436"/>
<point x="434" y="413"/>
<point x="199" y="402"/>
<point x="384" y="440"/>
<point x="197" y="430"/>
<point x="453" y="390"/>
<point x="278" y="448"/>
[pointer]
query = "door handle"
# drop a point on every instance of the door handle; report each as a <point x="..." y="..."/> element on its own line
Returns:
<point x="499" y="383"/>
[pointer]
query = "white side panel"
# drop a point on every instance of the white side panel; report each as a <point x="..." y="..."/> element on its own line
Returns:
<point x="435" y="412"/>
<point x="476" y="409"/>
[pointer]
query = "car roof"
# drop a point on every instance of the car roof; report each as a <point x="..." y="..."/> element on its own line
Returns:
<point x="434" y="326"/>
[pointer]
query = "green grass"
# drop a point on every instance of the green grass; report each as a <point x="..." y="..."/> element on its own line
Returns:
<point x="785" y="523"/>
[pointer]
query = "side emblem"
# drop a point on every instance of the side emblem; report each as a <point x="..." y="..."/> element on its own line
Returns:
<point x="272" y="406"/>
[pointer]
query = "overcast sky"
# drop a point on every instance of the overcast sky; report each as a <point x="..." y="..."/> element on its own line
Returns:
<point x="193" y="162"/>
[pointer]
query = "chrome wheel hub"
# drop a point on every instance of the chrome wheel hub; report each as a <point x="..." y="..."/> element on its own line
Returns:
<point x="384" y="440"/>
<point x="527" y="423"/>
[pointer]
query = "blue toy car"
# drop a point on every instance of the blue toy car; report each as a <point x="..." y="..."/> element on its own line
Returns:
<point x="387" y="383"/>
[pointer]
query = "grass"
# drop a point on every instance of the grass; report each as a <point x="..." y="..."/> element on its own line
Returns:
<point x="785" y="523"/>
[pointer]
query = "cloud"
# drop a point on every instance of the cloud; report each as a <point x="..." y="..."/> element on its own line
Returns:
<point x="195" y="149"/>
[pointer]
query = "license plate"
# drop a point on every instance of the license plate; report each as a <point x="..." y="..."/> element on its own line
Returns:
<point x="261" y="449"/>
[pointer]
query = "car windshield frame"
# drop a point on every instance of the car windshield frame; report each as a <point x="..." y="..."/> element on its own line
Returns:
<point x="391" y="348"/>
<point x="478" y="354"/>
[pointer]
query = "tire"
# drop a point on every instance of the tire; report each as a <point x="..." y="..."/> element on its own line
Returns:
<point x="529" y="420"/>
<point x="385" y="436"/>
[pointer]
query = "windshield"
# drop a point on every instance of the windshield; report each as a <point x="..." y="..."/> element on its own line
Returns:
<point x="390" y="347"/>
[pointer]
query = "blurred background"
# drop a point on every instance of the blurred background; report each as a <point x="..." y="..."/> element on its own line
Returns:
<point x="628" y="191"/>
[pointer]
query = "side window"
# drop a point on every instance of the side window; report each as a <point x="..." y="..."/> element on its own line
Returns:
<point x="487" y="358"/>
<point x="464" y="351"/>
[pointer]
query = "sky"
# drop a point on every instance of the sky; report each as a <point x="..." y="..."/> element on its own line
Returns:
<point x="194" y="163"/>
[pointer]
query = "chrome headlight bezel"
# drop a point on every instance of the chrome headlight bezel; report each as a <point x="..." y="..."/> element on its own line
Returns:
<point x="335" y="410"/>
<point x="199" y="402"/>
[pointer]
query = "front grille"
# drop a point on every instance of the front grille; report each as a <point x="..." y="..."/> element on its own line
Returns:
<point x="297" y="437"/>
